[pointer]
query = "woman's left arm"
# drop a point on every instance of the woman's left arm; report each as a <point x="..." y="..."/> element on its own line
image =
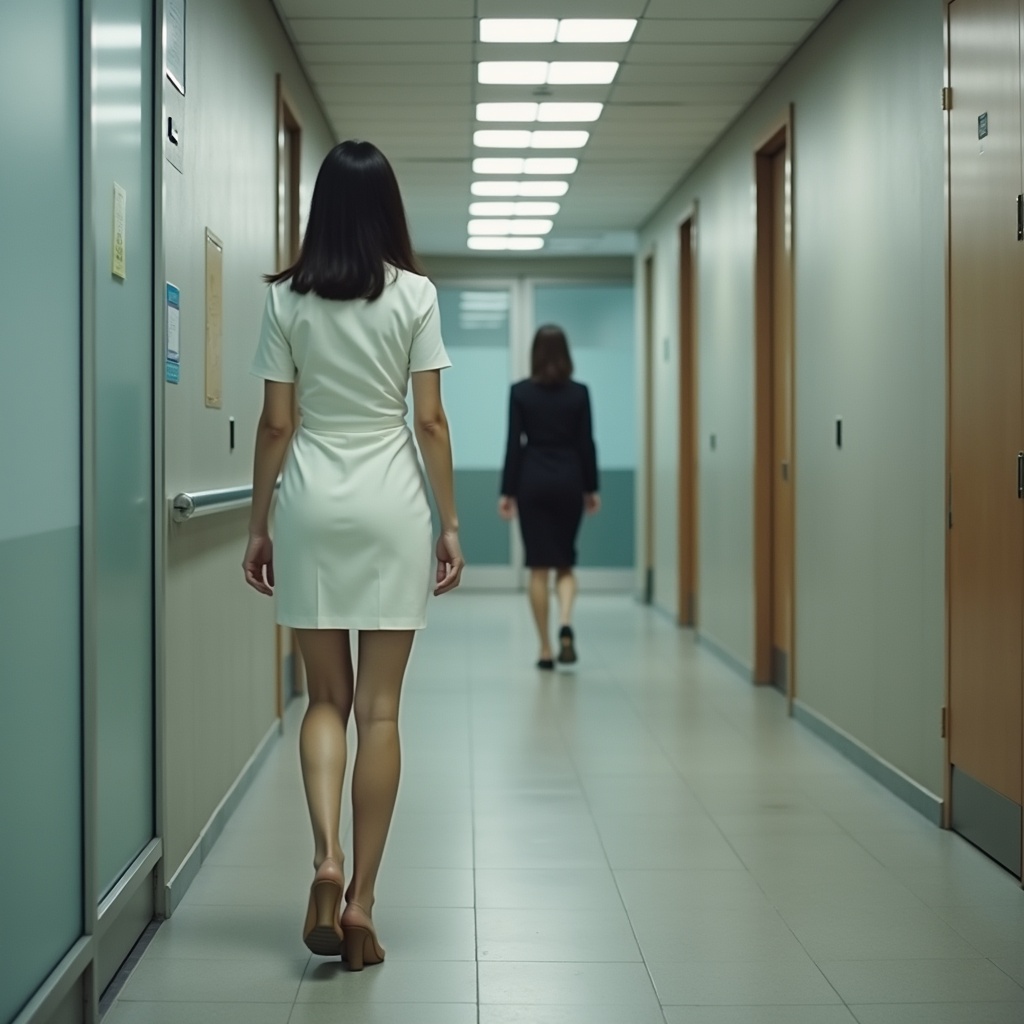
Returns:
<point x="273" y="435"/>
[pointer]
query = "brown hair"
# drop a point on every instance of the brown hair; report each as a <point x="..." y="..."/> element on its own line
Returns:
<point x="550" y="362"/>
<point x="357" y="227"/>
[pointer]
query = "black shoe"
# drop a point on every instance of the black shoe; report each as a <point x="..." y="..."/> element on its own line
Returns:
<point x="567" y="654"/>
<point x="546" y="663"/>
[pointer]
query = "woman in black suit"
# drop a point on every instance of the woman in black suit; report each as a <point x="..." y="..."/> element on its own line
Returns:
<point x="550" y="478"/>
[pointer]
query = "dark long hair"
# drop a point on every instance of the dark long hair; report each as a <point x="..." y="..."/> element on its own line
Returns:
<point x="356" y="228"/>
<point x="550" y="362"/>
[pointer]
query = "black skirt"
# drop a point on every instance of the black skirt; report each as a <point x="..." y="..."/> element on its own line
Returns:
<point x="550" y="503"/>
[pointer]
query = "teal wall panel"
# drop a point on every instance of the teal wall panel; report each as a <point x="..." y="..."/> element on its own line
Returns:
<point x="40" y="518"/>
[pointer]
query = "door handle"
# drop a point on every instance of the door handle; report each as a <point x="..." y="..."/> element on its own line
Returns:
<point x="785" y="469"/>
<point x="1020" y="474"/>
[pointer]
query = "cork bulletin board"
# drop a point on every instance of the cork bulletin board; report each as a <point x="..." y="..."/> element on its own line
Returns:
<point x="214" y="320"/>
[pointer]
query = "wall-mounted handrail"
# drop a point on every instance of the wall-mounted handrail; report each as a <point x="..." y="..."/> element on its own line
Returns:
<point x="204" y="503"/>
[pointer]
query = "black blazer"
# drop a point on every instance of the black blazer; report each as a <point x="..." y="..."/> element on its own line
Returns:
<point x="555" y="419"/>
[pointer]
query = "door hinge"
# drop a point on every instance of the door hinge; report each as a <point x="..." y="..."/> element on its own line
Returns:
<point x="947" y="98"/>
<point x="1020" y="218"/>
<point x="945" y="722"/>
<point x="949" y="502"/>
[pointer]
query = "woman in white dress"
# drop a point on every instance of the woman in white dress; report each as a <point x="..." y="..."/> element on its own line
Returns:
<point x="345" y="330"/>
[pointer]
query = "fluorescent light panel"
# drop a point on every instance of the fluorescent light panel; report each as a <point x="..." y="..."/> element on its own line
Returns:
<point x="520" y="209"/>
<point x="518" y="30"/>
<point x="595" y="30"/>
<point x="492" y="243"/>
<point x="519" y="165"/>
<point x="509" y="113"/>
<point x="519" y="188"/>
<point x="549" y="30"/>
<point x="497" y="226"/>
<point x="536" y="72"/>
<point x="511" y="138"/>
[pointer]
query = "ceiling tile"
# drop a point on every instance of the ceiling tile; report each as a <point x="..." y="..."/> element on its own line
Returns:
<point x="408" y="95"/>
<point x="386" y="53"/>
<point x="357" y="9"/>
<point x="708" y="53"/>
<point x="383" y="30"/>
<point x="696" y="30"/>
<point x="561" y="8"/>
<point x="390" y="74"/>
<point x="749" y="9"/>
<point x="694" y="74"/>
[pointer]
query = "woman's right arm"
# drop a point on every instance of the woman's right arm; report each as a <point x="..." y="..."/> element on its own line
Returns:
<point x="513" y="457"/>
<point x="431" y="427"/>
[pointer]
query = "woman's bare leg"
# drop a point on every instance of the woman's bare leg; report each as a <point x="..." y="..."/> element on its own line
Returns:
<point x="565" y="587"/>
<point x="323" y="750"/>
<point x="539" y="602"/>
<point x="383" y="656"/>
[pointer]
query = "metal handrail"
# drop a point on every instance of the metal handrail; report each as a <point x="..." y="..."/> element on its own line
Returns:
<point x="204" y="503"/>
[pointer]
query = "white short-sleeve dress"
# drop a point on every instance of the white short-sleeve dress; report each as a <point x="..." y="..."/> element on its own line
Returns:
<point x="352" y="528"/>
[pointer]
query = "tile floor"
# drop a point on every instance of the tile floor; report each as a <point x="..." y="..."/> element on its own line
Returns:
<point x="646" y="841"/>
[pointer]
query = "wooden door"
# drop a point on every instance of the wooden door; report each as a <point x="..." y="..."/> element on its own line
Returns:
<point x="687" y="427"/>
<point x="774" y="466"/>
<point x="986" y="398"/>
<point x="782" y="425"/>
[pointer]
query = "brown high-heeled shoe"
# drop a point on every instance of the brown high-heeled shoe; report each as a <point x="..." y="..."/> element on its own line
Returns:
<point x="360" y="947"/>
<point x="322" y="932"/>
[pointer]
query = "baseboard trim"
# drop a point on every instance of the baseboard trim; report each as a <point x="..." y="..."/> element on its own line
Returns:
<point x="901" y="785"/>
<point x="744" y="671"/>
<point x="178" y="884"/>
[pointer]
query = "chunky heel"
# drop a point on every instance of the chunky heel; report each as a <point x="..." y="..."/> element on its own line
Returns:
<point x="360" y="947"/>
<point x="322" y="933"/>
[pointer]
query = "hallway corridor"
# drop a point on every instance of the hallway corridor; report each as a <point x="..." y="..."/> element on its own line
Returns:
<point x="647" y="841"/>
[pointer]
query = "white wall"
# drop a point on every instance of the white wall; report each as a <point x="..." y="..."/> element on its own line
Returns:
<point x="220" y="651"/>
<point x="869" y="318"/>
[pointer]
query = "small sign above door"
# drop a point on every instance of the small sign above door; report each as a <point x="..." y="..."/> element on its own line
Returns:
<point x="983" y="126"/>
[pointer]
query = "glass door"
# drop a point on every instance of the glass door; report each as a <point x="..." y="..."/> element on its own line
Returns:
<point x="479" y="323"/>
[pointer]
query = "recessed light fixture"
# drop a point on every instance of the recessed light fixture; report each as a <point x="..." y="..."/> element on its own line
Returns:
<point x="550" y="165"/>
<point x="534" y="72"/>
<point x="569" y="111"/>
<point x="507" y="111"/>
<point x="502" y="139"/>
<point x="558" y="140"/>
<point x="498" y="165"/>
<point x="520" y="244"/>
<point x="581" y="72"/>
<point x="596" y="30"/>
<point x="518" y="30"/>
<point x="530" y="165"/>
<point x="499" y="226"/>
<point x="512" y="72"/>
<point x="520" y="209"/>
<point x="519" y="188"/>
<point x="549" y="112"/>
<point x="510" y="138"/>
<point x="543" y="188"/>
<point x="549" y="30"/>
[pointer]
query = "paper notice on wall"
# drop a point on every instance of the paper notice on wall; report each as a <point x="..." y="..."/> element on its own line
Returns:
<point x="118" y="262"/>
<point x="174" y="32"/>
<point x="173" y="361"/>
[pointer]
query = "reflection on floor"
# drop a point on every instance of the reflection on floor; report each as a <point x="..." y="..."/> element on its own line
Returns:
<point x="649" y="840"/>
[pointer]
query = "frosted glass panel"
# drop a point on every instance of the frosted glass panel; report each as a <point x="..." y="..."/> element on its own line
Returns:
<point x="598" y="320"/>
<point x="40" y="522"/>
<point x="476" y="322"/>
<point x="124" y="445"/>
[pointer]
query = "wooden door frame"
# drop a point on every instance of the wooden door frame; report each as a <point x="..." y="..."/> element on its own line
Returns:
<point x="650" y="267"/>
<point x="779" y="135"/>
<point x="287" y="238"/>
<point x="689" y="449"/>
<point x="947" y="780"/>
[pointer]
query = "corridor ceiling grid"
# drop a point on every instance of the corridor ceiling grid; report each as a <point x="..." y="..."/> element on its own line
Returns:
<point x="403" y="74"/>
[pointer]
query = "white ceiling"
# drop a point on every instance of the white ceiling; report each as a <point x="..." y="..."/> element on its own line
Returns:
<point x="402" y="74"/>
